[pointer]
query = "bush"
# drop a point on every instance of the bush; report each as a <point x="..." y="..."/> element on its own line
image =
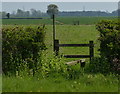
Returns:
<point x="110" y="41"/>
<point x="21" y="44"/>
<point x="99" y="65"/>
<point x="54" y="66"/>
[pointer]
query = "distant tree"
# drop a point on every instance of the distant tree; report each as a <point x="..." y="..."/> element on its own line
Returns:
<point x="39" y="13"/>
<point x="3" y="14"/>
<point x="27" y="14"/>
<point x="0" y="14"/>
<point x="20" y="13"/>
<point x="8" y="15"/>
<point x="13" y="14"/>
<point x="52" y="10"/>
<point x="33" y="12"/>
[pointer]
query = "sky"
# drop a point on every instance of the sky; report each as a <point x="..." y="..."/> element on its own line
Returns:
<point x="60" y="0"/>
<point x="63" y="6"/>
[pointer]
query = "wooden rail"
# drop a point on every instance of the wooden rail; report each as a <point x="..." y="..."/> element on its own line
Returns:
<point x="73" y="45"/>
<point x="90" y="45"/>
<point x="77" y="56"/>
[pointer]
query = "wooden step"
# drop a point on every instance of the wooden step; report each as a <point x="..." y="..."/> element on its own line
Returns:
<point x="75" y="62"/>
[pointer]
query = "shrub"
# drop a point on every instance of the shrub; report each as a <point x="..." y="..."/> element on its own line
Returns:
<point x="52" y="65"/>
<point x="99" y="65"/>
<point x="110" y="41"/>
<point x="48" y="66"/>
<point x="21" y="44"/>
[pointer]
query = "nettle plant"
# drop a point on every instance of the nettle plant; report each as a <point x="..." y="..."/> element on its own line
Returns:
<point x="110" y="42"/>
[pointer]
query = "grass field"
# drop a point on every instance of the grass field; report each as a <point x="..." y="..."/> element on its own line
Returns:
<point x="86" y="83"/>
<point x="0" y="83"/>
<point x="66" y="33"/>
<point x="60" y="20"/>
<point x="73" y="35"/>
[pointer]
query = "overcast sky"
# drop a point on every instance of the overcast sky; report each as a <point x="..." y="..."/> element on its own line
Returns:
<point x="63" y="6"/>
<point x="60" y="0"/>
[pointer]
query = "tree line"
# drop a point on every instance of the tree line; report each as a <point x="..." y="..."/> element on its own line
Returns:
<point x="38" y="13"/>
<point x="23" y="13"/>
<point x="88" y="13"/>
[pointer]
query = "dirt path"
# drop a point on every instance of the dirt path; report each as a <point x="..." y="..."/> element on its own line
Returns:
<point x="59" y="22"/>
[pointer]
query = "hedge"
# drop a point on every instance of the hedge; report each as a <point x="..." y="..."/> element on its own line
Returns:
<point x="110" y="42"/>
<point x="21" y="44"/>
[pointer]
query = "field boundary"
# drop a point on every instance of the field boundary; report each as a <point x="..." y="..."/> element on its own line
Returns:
<point x="90" y="45"/>
<point x="21" y="18"/>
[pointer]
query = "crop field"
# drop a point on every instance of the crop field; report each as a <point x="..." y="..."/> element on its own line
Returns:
<point x="65" y="33"/>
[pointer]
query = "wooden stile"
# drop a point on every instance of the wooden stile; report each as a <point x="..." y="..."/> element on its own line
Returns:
<point x="56" y="47"/>
<point x="91" y="48"/>
<point x="90" y="45"/>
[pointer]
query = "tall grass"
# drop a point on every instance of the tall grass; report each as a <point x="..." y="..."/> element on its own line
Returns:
<point x="55" y="76"/>
<point x="0" y="83"/>
<point x="86" y="83"/>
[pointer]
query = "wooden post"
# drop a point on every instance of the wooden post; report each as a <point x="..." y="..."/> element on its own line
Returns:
<point x="91" y="50"/>
<point x="53" y="32"/>
<point x="56" y="42"/>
